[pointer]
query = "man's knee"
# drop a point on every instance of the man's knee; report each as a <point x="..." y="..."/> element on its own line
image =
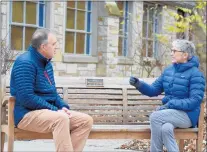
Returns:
<point x="89" y="120"/>
<point x="167" y="129"/>
<point x="62" y="118"/>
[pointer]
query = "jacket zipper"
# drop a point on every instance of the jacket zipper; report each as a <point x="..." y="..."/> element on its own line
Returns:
<point x="46" y="75"/>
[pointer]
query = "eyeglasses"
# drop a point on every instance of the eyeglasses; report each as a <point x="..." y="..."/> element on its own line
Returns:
<point x="173" y="51"/>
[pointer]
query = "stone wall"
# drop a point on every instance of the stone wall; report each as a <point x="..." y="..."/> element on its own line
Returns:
<point x="5" y="19"/>
<point x="61" y="68"/>
<point x="108" y="63"/>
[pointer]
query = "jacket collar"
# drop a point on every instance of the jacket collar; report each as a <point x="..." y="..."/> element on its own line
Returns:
<point x="193" y="62"/>
<point x="35" y="53"/>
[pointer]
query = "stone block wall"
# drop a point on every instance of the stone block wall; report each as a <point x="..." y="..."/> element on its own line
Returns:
<point x="108" y="63"/>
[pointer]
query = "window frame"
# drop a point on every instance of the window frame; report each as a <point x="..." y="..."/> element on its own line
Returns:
<point x="81" y="58"/>
<point x="125" y="27"/>
<point x="24" y="25"/>
<point x="155" y="29"/>
<point x="75" y="30"/>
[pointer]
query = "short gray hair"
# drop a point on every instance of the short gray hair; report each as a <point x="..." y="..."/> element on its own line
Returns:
<point x="39" y="37"/>
<point x="185" y="46"/>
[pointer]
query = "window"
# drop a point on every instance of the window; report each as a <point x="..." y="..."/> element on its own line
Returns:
<point x="26" y="17"/>
<point x="78" y="27"/>
<point x="123" y="28"/>
<point x="150" y="27"/>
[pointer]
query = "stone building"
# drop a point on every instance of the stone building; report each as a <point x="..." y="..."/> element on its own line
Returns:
<point x="94" y="40"/>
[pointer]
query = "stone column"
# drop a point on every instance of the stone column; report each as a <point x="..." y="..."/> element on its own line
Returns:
<point x="108" y="29"/>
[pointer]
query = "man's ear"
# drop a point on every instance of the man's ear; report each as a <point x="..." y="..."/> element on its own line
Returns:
<point x="42" y="47"/>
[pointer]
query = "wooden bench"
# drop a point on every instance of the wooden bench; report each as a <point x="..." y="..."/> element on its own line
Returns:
<point x="118" y="113"/>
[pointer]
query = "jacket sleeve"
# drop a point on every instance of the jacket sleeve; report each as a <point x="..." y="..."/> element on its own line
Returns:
<point x="196" y="94"/>
<point x="151" y="90"/>
<point x="60" y="103"/>
<point x="25" y="75"/>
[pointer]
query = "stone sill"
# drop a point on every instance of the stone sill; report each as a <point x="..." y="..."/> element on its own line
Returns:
<point x="79" y="59"/>
<point x="125" y="61"/>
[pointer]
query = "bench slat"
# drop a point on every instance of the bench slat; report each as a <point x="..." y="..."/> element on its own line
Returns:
<point x="151" y="102"/>
<point x="93" y="101"/>
<point x="102" y="112"/>
<point x="93" y="96"/>
<point x="141" y="107"/>
<point x="107" y="118"/>
<point x="78" y="107"/>
<point x="94" y="91"/>
<point x="144" y="97"/>
<point x="138" y="118"/>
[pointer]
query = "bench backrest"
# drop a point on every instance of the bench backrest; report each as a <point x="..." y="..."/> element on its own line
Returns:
<point x="114" y="105"/>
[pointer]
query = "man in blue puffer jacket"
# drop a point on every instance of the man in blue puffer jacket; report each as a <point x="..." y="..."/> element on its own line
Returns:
<point x="38" y="106"/>
<point x="184" y="86"/>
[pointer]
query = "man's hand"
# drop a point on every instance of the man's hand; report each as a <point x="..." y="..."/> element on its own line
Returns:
<point x="134" y="81"/>
<point x="65" y="110"/>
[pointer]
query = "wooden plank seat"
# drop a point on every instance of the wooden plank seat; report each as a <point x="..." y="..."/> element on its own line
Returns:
<point x="118" y="113"/>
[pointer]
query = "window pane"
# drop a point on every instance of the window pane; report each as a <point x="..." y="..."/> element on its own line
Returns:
<point x="145" y="12"/>
<point x="71" y="4"/>
<point x="150" y="50"/>
<point x="81" y="5"/>
<point x="80" y="41"/>
<point x="69" y="42"/>
<point x="80" y="20"/>
<point x="28" y="35"/>
<point x="88" y="44"/>
<point x="143" y="52"/>
<point x="144" y="29"/>
<point x="16" y="37"/>
<point x="41" y="15"/>
<point x="30" y="13"/>
<point x="89" y="22"/>
<point x="17" y="12"/>
<point x="151" y="11"/>
<point x="70" y="19"/>
<point x="120" y="5"/>
<point x="120" y="46"/>
<point x="121" y="23"/>
<point x="150" y="34"/>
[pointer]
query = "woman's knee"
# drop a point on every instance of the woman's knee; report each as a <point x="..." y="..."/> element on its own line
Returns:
<point x="154" y="116"/>
<point x="167" y="129"/>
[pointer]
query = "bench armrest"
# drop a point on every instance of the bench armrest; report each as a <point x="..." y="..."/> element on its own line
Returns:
<point x="201" y="117"/>
<point x="11" y="101"/>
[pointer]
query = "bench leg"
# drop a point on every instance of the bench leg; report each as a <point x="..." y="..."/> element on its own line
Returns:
<point x="10" y="143"/>
<point x="181" y="145"/>
<point x="199" y="145"/>
<point x="2" y="141"/>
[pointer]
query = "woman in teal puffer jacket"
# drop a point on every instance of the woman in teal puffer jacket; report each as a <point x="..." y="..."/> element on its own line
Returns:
<point x="184" y="86"/>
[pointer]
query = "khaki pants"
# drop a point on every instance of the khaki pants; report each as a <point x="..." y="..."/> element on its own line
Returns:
<point x="69" y="134"/>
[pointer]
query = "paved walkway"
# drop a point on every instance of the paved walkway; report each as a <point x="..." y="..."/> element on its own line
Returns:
<point x="92" y="145"/>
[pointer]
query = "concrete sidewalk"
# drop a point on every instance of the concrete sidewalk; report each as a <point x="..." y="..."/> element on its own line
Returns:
<point x="92" y="145"/>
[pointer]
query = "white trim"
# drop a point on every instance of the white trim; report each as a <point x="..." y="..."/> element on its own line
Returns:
<point x="77" y="31"/>
<point x="79" y="58"/>
<point x="24" y="25"/>
<point x="64" y="24"/>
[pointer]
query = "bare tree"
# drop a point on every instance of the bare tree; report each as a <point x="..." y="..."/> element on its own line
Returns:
<point x="147" y="63"/>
